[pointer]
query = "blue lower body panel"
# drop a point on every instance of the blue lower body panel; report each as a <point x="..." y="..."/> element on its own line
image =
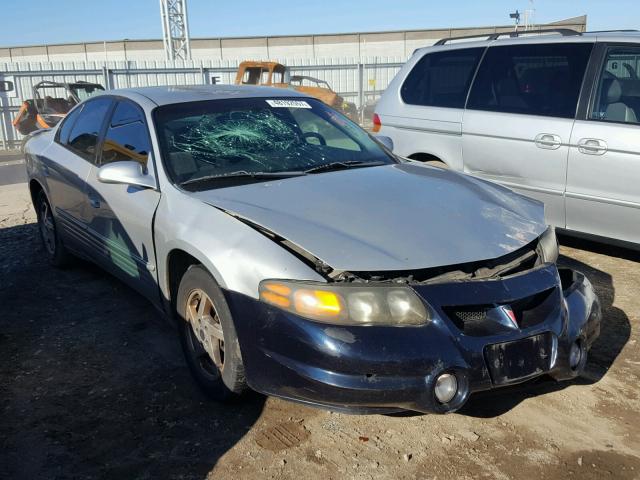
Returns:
<point x="381" y="369"/>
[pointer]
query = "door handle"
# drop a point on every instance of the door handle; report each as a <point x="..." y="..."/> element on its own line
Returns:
<point x="592" y="146"/>
<point x="94" y="202"/>
<point x="548" y="141"/>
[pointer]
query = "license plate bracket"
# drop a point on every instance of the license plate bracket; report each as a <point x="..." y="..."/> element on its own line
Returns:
<point x="519" y="360"/>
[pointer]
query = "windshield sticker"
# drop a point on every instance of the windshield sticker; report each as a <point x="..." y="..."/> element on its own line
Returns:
<point x="288" y="103"/>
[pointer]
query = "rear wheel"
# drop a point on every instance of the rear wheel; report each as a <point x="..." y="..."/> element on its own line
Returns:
<point x="208" y="336"/>
<point x="54" y="249"/>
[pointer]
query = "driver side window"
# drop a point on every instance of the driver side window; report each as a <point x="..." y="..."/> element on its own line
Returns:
<point x="127" y="137"/>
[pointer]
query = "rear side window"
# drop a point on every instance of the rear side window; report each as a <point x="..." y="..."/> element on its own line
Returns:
<point x="67" y="125"/>
<point x="441" y="79"/>
<point x="83" y="138"/>
<point x="127" y="137"/>
<point x="531" y="79"/>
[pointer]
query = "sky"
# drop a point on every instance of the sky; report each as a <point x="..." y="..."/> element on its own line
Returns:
<point x="30" y="22"/>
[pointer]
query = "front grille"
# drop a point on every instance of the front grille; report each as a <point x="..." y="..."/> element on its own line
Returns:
<point x="482" y="320"/>
<point x="471" y="316"/>
<point x="471" y="321"/>
<point x="532" y="310"/>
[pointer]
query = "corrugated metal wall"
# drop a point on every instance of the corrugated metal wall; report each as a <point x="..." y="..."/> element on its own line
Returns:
<point x="359" y="81"/>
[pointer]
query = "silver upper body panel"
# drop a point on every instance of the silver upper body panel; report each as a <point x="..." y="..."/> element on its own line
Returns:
<point x="396" y="217"/>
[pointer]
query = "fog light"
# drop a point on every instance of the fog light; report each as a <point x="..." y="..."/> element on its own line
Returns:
<point x="446" y="387"/>
<point x="575" y="355"/>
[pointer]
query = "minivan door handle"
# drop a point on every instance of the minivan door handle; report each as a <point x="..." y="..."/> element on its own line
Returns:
<point x="592" y="146"/>
<point x="548" y="141"/>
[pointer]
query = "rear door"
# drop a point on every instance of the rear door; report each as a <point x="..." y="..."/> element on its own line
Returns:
<point x="67" y="164"/>
<point x="603" y="192"/>
<point x="519" y="117"/>
<point x="422" y="113"/>
<point x="120" y="217"/>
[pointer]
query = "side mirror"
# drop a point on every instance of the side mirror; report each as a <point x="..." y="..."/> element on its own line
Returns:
<point x="386" y="141"/>
<point x="126" y="173"/>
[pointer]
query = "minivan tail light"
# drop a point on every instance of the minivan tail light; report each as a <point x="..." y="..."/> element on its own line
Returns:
<point x="377" y="124"/>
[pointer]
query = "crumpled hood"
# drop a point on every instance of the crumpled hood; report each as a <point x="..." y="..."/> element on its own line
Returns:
<point x="395" y="217"/>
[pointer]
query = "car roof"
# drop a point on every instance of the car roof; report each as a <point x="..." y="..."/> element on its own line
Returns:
<point x="551" y="37"/>
<point x="165" y="95"/>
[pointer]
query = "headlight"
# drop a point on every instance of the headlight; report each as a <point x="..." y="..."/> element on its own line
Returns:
<point x="346" y="304"/>
<point x="548" y="246"/>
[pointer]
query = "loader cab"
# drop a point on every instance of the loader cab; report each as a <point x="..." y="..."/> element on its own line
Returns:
<point x="261" y="73"/>
<point x="50" y="103"/>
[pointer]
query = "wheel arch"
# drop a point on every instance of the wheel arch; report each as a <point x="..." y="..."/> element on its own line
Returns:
<point x="177" y="262"/>
<point x="425" y="157"/>
<point x="35" y="187"/>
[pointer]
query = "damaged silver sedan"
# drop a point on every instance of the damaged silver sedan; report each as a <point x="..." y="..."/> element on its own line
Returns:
<point x="300" y="258"/>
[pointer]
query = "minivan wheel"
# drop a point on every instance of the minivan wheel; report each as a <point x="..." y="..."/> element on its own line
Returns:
<point x="54" y="249"/>
<point x="208" y="336"/>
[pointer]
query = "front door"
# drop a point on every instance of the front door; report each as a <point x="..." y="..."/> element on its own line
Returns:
<point x="121" y="216"/>
<point x="75" y="154"/>
<point x="603" y="192"/>
<point x="519" y="116"/>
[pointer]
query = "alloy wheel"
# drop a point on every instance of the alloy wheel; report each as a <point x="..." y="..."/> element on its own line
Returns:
<point x="206" y="341"/>
<point x="47" y="228"/>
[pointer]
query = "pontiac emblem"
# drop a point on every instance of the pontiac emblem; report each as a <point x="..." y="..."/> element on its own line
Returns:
<point x="507" y="311"/>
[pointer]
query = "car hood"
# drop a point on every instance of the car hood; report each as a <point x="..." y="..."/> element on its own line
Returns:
<point x="393" y="217"/>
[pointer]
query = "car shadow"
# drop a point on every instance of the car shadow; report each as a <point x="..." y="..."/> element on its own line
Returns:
<point x="614" y="334"/>
<point x="94" y="381"/>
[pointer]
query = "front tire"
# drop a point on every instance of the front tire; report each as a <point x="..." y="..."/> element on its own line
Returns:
<point x="208" y="336"/>
<point x="56" y="253"/>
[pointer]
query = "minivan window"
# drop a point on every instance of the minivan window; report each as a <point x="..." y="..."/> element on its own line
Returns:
<point x="127" y="137"/>
<point x="441" y="79"/>
<point x="83" y="138"/>
<point x="618" y="92"/>
<point x="533" y="79"/>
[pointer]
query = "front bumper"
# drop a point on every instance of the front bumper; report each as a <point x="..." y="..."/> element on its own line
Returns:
<point x="381" y="369"/>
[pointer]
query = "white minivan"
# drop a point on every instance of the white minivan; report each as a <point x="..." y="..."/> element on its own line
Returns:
<point x="554" y="116"/>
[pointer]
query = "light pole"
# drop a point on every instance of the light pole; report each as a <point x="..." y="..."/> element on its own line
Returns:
<point x="516" y="17"/>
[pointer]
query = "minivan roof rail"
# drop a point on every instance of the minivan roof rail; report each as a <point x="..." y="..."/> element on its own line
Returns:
<point x="565" y="32"/>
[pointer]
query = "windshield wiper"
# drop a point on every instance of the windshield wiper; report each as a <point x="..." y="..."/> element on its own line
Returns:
<point x="327" y="167"/>
<point x="244" y="174"/>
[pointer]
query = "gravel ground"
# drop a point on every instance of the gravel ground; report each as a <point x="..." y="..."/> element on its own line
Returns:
<point x="93" y="385"/>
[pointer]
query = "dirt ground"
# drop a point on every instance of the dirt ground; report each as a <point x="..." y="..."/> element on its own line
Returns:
<point x="93" y="385"/>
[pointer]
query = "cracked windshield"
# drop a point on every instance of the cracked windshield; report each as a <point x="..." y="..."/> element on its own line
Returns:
<point x="215" y="141"/>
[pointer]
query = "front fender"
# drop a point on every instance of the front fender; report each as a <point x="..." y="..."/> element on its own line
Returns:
<point x="236" y="255"/>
